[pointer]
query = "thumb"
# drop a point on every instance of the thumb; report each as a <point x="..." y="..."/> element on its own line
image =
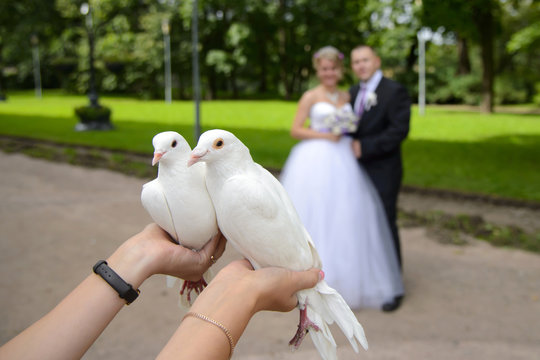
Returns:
<point x="308" y="279"/>
<point x="215" y="247"/>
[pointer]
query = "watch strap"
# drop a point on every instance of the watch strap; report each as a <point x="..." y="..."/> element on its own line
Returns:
<point x="124" y="290"/>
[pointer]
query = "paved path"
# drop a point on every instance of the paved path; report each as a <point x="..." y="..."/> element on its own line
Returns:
<point x="57" y="220"/>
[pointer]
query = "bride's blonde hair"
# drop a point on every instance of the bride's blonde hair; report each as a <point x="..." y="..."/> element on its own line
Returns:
<point x="328" y="53"/>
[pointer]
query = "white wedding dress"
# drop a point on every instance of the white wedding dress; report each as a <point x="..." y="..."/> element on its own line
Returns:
<point x="342" y="211"/>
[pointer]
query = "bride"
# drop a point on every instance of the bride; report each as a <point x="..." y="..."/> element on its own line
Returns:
<point x="334" y="197"/>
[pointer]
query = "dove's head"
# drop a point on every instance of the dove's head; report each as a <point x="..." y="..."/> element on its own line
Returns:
<point x="169" y="145"/>
<point x="217" y="145"/>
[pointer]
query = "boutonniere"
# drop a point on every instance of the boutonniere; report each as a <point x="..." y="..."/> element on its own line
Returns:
<point x="371" y="100"/>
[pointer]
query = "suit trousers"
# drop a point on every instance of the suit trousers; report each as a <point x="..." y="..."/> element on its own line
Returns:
<point x="388" y="189"/>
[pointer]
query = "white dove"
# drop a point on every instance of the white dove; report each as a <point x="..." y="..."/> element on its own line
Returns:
<point x="177" y="200"/>
<point x="256" y="216"/>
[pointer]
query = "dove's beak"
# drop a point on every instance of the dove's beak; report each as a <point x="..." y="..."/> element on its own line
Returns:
<point x="157" y="157"/>
<point x="196" y="155"/>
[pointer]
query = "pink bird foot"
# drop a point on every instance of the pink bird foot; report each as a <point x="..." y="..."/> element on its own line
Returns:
<point x="189" y="286"/>
<point x="303" y="328"/>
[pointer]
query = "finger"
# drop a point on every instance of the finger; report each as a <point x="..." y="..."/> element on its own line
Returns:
<point x="156" y="230"/>
<point x="209" y="248"/>
<point x="220" y="248"/>
<point x="244" y="263"/>
<point x="307" y="279"/>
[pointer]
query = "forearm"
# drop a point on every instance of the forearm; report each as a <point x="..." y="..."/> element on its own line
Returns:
<point x="73" y="325"/>
<point x="68" y="330"/>
<point x="198" y="339"/>
<point x="308" y="133"/>
<point x="231" y="299"/>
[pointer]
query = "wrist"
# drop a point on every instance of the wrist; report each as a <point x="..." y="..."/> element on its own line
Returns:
<point x="130" y="264"/>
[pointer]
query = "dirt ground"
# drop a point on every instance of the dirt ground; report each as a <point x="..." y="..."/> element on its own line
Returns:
<point x="462" y="302"/>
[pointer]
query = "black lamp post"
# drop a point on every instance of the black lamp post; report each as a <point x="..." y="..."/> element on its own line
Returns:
<point x="94" y="116"/>
<point x="92" y="93"/>
<point x="195" y="65"/>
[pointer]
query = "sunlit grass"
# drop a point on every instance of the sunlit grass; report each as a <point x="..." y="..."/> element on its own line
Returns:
<point x="497" y="154"/>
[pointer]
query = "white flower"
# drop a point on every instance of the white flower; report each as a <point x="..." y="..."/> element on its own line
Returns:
<point x="371" y="100"/>
<point x="340" y="122"/>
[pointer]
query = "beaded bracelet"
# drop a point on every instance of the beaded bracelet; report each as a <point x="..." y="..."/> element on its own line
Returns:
<point x="213" y="322"/>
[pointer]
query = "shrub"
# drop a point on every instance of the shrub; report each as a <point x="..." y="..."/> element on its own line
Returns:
<point x="93" y="118"/>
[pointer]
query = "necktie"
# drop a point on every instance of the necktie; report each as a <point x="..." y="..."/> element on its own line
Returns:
<point x="362" y="99"/>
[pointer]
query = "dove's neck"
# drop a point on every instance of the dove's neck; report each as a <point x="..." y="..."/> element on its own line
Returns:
<point x="174" y="171"/>
<point x="227" y="169"/>
<point x="239" y="164"/>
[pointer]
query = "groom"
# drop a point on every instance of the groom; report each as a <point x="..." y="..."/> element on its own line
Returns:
<point x="384" y="109"/>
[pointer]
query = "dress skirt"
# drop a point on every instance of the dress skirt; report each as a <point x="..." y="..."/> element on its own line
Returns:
<point x="342" y="212"/>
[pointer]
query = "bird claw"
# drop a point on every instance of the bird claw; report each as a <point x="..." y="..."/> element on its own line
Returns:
<point x="189" y="286"/>
<point x="303" y="328"/>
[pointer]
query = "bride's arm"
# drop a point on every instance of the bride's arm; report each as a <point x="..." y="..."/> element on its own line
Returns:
<point x="298" y="130"/>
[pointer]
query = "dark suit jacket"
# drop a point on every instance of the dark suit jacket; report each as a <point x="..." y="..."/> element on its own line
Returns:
<point x="382" y="129"/>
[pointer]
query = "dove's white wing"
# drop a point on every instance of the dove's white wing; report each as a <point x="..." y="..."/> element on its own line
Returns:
<point x="154" y="201"/>
<point x="290" y="209"/>
<point x="253" y="211"/>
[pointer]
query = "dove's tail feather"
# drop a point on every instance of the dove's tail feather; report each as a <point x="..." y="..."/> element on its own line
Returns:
<point x="322" y="339"/>
<point x="326" y="306"/>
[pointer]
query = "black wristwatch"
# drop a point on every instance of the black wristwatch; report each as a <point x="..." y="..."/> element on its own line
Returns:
<point x="124" y="290"/>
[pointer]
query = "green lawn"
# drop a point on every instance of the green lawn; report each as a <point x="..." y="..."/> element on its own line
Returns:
<point x="461" y="150"/>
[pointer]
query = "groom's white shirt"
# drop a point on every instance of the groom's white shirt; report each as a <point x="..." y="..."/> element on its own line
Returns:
<point x="371" y="84"/>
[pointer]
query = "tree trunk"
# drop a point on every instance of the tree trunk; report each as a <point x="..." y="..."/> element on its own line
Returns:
<point x="283" y="63"/>
<point x="284" y="68"/>
<point x="485" y="26"/>
<point x="263" y="83"/>
<point x="2" y="95"/>
<point x="212" y="85"/>
<point x="412" y="57"/>
<point x="234" y="84"/>
<point x="464" y="63"/>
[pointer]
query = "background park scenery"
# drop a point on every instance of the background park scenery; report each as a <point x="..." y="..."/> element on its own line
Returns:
<point x="479" y="134"/>
<point x="472" y="157"/>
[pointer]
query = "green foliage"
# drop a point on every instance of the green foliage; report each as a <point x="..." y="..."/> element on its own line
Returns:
<point x="90" y="114"/>
<point x="524" y="38"/>
<point x="536" y="98"/>
<point x="509" y="90"/>
<point x="452" y="89"/>
<point x="261" y="49"/>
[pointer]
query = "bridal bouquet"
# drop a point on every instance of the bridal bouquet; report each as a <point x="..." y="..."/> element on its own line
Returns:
<point x="341" y="121"/>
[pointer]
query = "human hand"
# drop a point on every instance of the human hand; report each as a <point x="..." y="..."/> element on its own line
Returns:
<point x="357" y="148"/>
<point x="332" y="137"/>
<point x="230" y="300"/>
<point x="152" y="251"/>
<point x="270" y="288"/>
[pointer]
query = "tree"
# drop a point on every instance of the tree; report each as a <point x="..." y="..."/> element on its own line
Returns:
<point x="472" y="20"/>
<point x="519" y="51"/>
<point x="19" y="20"/>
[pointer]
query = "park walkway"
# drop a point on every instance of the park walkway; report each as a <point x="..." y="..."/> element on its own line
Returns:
<point x="57" y="220"/>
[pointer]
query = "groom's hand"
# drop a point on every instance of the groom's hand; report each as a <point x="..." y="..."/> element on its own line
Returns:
<point x="357" y="148"/>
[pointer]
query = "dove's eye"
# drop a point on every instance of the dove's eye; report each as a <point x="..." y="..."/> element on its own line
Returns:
<point x="174" y="143"/>
<point x="218" y="144"/>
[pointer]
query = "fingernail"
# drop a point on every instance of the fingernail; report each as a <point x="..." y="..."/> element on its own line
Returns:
<point x="321" y="275"/>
